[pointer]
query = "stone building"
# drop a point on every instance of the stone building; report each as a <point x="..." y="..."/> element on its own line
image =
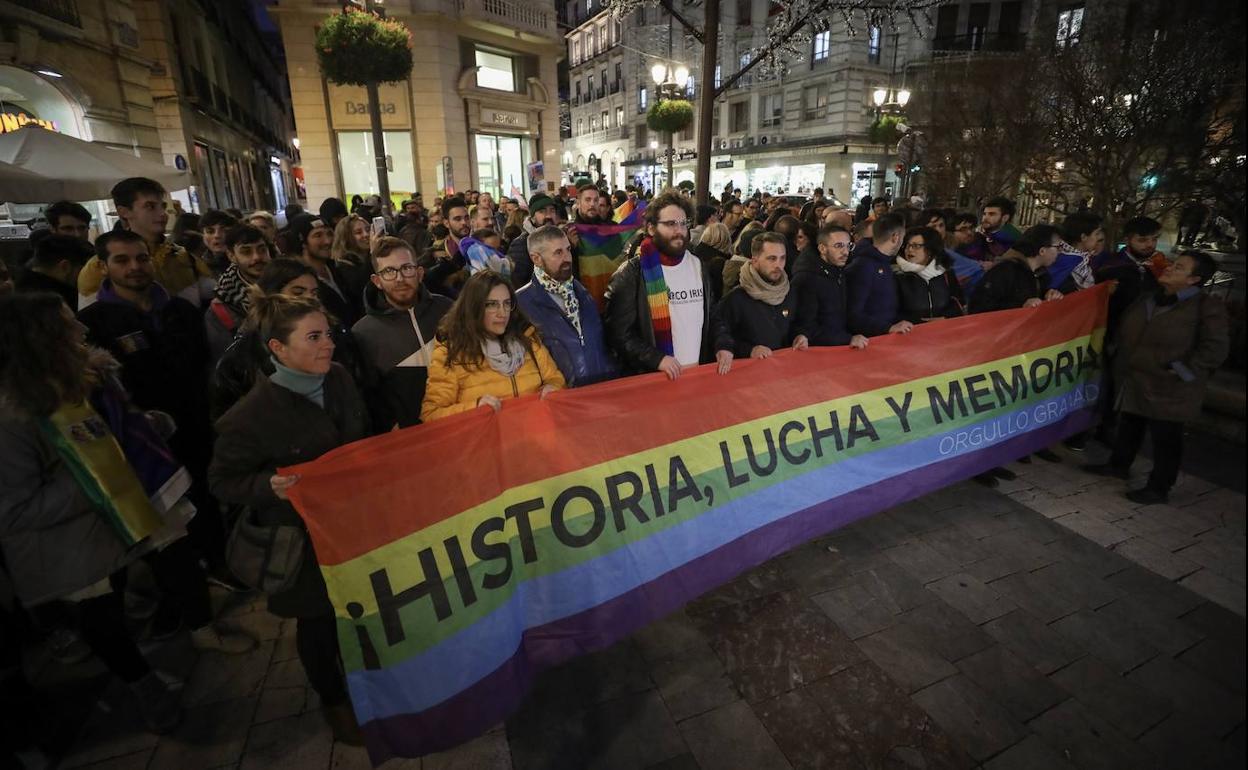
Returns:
<point x="479" y="111"/>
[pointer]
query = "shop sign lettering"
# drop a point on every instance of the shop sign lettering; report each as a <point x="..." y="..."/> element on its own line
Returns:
<point x="12" y="121"/>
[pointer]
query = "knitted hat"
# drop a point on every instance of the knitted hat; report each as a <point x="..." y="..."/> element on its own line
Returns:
<point x="539" y="202"/>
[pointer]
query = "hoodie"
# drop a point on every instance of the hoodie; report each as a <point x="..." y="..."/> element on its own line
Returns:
<point x="395" y="349"/>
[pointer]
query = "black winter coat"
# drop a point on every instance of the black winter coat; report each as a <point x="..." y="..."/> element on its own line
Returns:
<point x="822" y="305"/>
<point x="713" y="261"/>
<point x="630" y="332"/>
<point x="753" y="322"/>
<point x="1008" y="285"/>
<point x="272" y="427"/>
<point x="940" y="297"/>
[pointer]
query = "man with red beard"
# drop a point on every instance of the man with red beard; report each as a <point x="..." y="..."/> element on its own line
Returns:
<point x="659" y="303"/>
<point x="396" y="336"/>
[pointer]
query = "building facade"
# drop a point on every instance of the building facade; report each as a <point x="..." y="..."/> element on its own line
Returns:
<point x="77" y="67"/>
<point x="480" y="110"/>
<point x="220" y="99"/>
<point x="190" y="83"/>
<point x="792" y="131"/>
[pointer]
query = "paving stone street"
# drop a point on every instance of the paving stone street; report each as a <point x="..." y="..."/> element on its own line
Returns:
<point x="1047" y="624"/>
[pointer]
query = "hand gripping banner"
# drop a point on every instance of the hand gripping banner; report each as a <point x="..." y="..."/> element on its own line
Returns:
<point x="464" y="556"/>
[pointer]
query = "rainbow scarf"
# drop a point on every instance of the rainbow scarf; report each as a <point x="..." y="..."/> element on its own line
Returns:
<point x="656" y="297"/>
<point x="602" y="249"/>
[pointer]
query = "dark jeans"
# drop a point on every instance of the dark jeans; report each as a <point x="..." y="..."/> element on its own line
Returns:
<point x="1167" y="448"/>
<point x="316" y="640"/>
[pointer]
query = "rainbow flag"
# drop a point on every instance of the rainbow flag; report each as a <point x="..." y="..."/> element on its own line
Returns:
<point x="464" y="556"/>
<point x="602" y="248"/>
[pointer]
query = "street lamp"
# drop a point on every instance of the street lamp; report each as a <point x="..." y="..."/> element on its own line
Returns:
<point x="654" y="166"/>
<point x="890" y="101"/>
<point x="670" y="79"/>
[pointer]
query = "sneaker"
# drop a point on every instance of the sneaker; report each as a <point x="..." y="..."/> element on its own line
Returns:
<point x="1004" y="473"/>
<point x="988" y="480"/>
<point x="221" y="578"/>
<point x="341" y="720"/>
<point x="218" y="638"/>
<point x="158" y="703"/>
<point x="1048" y="455"/>
<point x="1148" y="496"/>
<point x="1105" y="469"/>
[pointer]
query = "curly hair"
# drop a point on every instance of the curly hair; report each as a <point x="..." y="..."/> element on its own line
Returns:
<point x="42" y="363"/>
<point x="462" y="330"/>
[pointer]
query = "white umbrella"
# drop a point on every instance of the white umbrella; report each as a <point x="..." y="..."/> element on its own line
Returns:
<point x="38" y="166"/>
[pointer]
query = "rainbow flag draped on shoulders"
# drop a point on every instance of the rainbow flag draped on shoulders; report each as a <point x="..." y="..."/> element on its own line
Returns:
<point x="464" y="556"/>
<point x="602" y="247"/>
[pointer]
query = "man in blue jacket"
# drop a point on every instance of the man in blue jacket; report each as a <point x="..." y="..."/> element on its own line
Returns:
<point x="564" y="311"/>
<point x="873" y="304"/>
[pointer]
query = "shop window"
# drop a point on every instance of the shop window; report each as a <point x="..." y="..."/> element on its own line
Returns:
<point x="359" y="172"/>
<point x="496" y="71"/>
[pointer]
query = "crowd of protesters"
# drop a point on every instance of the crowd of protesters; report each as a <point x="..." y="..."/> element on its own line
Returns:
<point x="254" y="342"/>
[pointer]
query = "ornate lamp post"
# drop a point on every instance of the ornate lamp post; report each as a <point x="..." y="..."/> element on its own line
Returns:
<point x="670" y="79"/>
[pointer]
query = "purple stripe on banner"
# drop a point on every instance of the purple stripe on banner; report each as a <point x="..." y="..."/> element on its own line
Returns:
<point x="492" y="698"/>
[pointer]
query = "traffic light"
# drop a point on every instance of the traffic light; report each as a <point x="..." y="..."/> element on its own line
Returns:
<point x="1149" y="181"/>
<point x="915" y="168"/>
<point x="899" y="168"/>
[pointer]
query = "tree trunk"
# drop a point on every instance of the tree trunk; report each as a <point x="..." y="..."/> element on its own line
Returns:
<point x="706" y="100"/>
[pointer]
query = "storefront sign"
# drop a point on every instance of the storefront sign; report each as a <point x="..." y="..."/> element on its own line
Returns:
<point x="723" y="164"/>
<point x="12" y="121"/>
<point x="687" y="155"/>
<point x="348" y="106"/>
<point x="504" y="118"/>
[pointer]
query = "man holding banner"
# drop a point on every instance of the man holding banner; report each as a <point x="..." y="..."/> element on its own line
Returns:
<point x="658" y="303"/>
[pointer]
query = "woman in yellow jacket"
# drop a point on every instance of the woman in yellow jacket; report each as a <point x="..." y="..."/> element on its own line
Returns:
<point x="487" y="351"/>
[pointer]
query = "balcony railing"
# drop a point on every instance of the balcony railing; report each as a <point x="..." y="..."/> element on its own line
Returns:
<point x="514" y="14"/>
<point x="976" y="43"/>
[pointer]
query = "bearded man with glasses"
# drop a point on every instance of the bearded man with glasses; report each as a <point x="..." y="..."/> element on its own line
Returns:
<point x="396" y="335"/>
<point x="659" y="315"/>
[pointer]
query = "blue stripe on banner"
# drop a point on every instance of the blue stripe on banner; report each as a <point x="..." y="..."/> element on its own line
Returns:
<point x="454" y="664"/>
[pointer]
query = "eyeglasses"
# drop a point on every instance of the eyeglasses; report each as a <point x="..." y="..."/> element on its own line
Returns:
<point x="914" y="246"/>
<point x="494" y="305"/>
<point x="678" y="223"/>
<point x="391" y="273"/>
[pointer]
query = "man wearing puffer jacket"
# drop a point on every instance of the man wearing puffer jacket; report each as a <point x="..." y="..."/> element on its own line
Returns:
<point x="564" y="311"/>
<point x="395" y="336"/>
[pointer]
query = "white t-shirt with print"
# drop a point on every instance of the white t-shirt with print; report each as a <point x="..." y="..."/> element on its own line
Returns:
<point x="684" y="303"/>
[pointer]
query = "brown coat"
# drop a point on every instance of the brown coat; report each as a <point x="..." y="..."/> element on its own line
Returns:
<point x="272" y="427"/>
<point x="1194" y="332"/>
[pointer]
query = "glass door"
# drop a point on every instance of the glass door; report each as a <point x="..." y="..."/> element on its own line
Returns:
<point x="501" y="163"/>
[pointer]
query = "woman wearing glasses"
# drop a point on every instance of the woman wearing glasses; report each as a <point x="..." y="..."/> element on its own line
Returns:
<point x="487" y="351"/>
<point x="926" y="286"/>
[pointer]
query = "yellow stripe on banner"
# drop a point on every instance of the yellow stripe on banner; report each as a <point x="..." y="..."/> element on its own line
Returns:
<point x="700" y="454"/>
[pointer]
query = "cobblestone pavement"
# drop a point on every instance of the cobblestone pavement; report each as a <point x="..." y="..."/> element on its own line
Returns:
<point x="1047" y="624"/>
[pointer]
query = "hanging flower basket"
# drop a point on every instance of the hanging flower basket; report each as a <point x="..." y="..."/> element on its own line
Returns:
<point x="885" y="130"/>
<point x="672" y="115"/>
<point x="356" y="48"/>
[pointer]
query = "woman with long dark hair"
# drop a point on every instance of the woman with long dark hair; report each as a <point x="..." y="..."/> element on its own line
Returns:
<point x="927" y="288"/>
<point x="88" y="486"/>
<point x="306" y="407"/>
<point x="487" y="351"/>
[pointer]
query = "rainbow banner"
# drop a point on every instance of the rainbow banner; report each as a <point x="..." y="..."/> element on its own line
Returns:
<point x="602" y="248"/>
<point x="466" y="555"/>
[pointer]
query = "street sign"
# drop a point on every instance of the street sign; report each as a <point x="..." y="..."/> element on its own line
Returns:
<point x="868" y="174"/>
<point x="723" y="164"/>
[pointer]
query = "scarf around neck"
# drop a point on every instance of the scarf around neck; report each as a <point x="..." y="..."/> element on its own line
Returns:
<point x="566" y="292"/>
<point x="310" y="386"/>
<point x="656" y="296"/>
<point x="760" y="288"/>
<point x="506" y="361"/>
<point x="233" y="290"/>
<point x="927" y="272"/>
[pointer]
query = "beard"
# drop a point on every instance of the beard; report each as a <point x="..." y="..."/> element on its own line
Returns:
<point x="674" y="247"/>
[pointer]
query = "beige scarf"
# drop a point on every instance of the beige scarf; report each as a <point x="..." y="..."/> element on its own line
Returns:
<point x="760" y="289"/>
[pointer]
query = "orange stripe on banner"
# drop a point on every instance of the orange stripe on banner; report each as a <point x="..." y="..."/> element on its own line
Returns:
<point x="460" y="461"/>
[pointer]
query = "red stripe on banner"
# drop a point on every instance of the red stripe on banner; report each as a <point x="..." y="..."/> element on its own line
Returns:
<point x="461" y="461"/>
